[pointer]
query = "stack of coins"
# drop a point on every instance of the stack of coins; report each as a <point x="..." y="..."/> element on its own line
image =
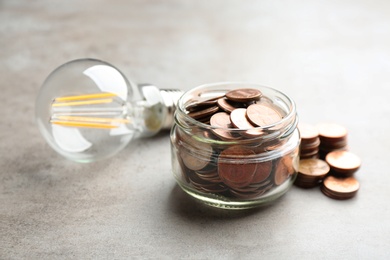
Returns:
<point x="335" y="172"/>
<point x="333" y="138"/>
<point x="340" y="188"/>
<point x="311" y="172"/>
<point x="234" y="171"/>
<point x="310" y="141"/>
<point x="343" y="163"/>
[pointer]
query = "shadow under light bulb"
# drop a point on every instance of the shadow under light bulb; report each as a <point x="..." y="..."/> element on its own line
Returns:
<point x="88" y="110"/>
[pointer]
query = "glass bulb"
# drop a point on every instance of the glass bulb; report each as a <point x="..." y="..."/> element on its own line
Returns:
<point x="88" y="110"/>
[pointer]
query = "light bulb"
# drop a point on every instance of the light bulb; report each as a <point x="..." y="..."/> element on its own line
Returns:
<point x="88" y="110"/>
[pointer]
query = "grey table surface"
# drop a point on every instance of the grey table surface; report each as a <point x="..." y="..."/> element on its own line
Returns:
<point x="331" y="57"/>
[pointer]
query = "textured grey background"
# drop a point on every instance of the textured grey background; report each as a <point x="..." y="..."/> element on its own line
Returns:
<point x="331" y="57"/>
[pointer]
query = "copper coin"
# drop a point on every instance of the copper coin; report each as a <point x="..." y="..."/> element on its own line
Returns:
<point x="340" y="188"/>
<point x="314" y="156"/>
<point x="204" y="112"/>
<point x="310" y="145"/>
<point x="343" y="161"/>
<point x="201" y="105"/>
<point x="309" y="133"/>
<point x="192" y="158"/>
<point x="331" y="131"/>
<point x="239" y="120"/>
<point x="262" y="115"/>
<point x="250" y="194"/>
<point x="283" y="169"/>
<point x="308" y="153"/>
<point x="341" y="143"/>
<point x="263" y="171"/>
<point x="244" y="94"/>
<point x="313" y="167"/>
<point x="221" y="120"/>
<point x="226" y="106"/>
<point x="234" y="166"/>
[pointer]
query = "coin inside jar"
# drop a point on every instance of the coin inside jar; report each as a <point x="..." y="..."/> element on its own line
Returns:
<point x="191" y="157"/>
<point x="263" y="171"/>
<point x="262" y="115"/>
<point x="244" y="94"/>
<point x="239" y="120"/>
<point x="283" y="169"/>
<point x="204" y="112"/>
<point x="234" y="168"/>
<point x="224" y="104"/>
<point x="221" y="120"/>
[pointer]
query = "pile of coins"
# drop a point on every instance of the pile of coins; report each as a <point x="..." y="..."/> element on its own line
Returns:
<point x="237" y="171"/>
<point x="333" y="138"/>
<point x="335" y="172"/>
<point x="310" y="141"/>
<point x="340" y="188"/>
<point x="240" y="108"/>
<point x="311" y="172"/>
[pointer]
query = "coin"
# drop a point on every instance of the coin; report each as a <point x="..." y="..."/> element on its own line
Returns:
<point x="201" y="105"/>
<point x="343" y="162"/>
<point x="192" y="158"/>
<point x="331" y="131"/>
<point x="244" y="94"/>
<point x="250" y="194"/>
<point x="261" y="115"/>
<point x="263" y="171"/>
<point x="283" y="170"/>
<point x="239" y="120"/>
<point x="313" y="167"/>
<point x="309" y="133"/>
<point x="310" y="144"/>
<point x="221" y="120"/>
<point x="226" y="106"/>
<point x="340" y="188"/>
<point x="204" y="112"/>
<point x="234" y="168"/>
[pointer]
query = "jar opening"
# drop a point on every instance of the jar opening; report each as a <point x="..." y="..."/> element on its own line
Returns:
<point x="279" y="101"/>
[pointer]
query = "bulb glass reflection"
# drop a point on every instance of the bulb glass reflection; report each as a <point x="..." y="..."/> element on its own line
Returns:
<point x="88" y="110"/>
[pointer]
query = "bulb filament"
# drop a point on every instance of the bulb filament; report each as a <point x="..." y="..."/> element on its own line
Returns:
<point x="98" y="110"/>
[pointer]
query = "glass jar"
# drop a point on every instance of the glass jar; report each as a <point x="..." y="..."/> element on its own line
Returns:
<point x="251" y="168"/>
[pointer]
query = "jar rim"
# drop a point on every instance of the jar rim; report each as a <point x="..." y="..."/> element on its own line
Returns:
<point x="182" y="102"/>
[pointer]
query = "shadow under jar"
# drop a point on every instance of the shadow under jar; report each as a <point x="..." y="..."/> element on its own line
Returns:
<point x="235" y="153"/>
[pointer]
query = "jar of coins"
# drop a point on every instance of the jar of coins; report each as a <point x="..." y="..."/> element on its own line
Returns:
<point x="235" y="145"/>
